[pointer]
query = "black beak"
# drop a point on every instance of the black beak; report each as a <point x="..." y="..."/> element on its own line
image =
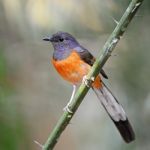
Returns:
<point x="49" y="38"/>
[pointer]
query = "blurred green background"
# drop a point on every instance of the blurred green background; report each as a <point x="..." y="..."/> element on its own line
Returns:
<point x="32" y="94"/>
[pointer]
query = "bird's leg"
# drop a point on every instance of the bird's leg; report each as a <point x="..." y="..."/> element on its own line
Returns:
<point x="66" y="108"/>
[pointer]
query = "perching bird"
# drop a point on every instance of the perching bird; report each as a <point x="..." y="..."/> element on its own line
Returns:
<point x="73" y="62"/>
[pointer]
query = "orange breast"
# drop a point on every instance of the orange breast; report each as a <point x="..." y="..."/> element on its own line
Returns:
<point x="73" y="69"/>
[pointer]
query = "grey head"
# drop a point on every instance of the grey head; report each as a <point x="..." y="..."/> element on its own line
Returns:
<point x="62" y="41"/>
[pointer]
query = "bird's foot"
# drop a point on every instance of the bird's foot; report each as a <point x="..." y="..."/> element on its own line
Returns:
<point x="87" y="81"/>
<point x="67" y="109"/>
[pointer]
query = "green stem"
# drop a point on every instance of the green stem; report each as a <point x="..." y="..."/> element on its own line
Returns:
<point x="100" y="61"/>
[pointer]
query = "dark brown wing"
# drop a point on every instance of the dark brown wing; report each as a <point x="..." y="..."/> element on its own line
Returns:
<point x="88" y="58"/>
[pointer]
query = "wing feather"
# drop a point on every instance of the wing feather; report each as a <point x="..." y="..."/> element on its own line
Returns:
<point x="87" y="57"/>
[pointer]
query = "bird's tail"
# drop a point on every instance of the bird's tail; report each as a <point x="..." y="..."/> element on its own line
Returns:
<point x="116" y="113"/>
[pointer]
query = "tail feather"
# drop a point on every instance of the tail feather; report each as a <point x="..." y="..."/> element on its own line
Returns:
<point x="116" y="113"/>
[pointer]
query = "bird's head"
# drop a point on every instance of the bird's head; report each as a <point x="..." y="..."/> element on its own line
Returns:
<point x="62" y="41"/>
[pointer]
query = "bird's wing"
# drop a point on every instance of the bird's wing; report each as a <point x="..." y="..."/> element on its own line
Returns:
<point x="87" y="57"/>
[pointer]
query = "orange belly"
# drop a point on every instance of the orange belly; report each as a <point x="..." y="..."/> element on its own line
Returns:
<point x="73" y="69"/>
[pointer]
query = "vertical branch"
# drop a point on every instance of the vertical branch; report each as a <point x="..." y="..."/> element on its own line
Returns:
<point x="100" y="61"/>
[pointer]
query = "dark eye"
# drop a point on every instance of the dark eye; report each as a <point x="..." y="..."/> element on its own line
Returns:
<point x="61" y="39"/>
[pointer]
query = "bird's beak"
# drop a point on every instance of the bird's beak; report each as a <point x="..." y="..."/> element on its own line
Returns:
<point x="48" y="38"/>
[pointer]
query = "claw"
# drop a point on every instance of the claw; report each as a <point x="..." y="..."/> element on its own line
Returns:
<point x="66" y="109"/>
<point x="87" y="81"/>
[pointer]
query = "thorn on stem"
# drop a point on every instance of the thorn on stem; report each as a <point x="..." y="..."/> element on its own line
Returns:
<point x="39" y="144"/>
<point x="115" y="40"/>
<point x="115" y="20"/>
<point x="136" y="5"/>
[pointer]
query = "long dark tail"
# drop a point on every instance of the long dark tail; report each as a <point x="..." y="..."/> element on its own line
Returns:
<point x="116" y="113"/>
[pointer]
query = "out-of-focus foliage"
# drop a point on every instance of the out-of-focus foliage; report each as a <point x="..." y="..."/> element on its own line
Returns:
<point x="32" y="94"/>
<point x="12" y="131"/>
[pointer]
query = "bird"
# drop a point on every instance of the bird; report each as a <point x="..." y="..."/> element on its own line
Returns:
<point x="73" y="62"/>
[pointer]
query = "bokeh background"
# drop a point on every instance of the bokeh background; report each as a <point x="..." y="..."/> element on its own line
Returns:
<point x="32" y="94"/>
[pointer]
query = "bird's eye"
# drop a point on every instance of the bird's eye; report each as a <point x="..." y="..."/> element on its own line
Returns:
<point x="61" y="39"/>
